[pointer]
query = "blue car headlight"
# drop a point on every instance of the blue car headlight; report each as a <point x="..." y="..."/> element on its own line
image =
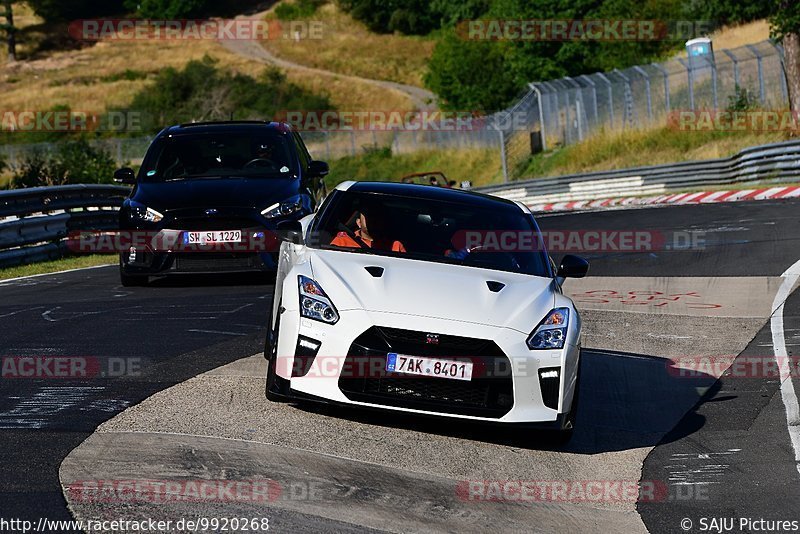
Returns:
<point x="141" y="212"/>
<point x="551" y="333"/>
<point x="282" y="209"/>
<point x="314" y="303"/>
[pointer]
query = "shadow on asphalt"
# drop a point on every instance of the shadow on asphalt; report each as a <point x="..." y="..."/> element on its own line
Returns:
<point x="626" y="401"/>
<point x="205" y="280"/>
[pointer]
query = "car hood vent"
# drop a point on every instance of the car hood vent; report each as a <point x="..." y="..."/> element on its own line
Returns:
<point x="495" y="287"/>
<point x="377" y="272"/>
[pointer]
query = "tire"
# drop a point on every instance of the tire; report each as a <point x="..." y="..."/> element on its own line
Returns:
<point x="128" y="280"/>
<point x="273" y="386"/>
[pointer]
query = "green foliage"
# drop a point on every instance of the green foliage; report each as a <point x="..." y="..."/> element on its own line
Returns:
<point x="170" y="9"/>
<point x="60" y="10"/>
<point x="470" y="75"/>
<point x="489" y="74"/>
<point x="742" y="99"/>
<point x="785" y="18"/>
<point x="202" y="92"/>
<point x="730" y="11"/>
<point x="300" y="9"/>
<point x="412" y="17"/>
<point x="127" y="75"/>
<point x="72" y="162"/>
<point x="188" y="9"/>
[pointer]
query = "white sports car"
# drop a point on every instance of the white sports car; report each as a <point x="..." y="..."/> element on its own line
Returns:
<point x="426" y="300"/>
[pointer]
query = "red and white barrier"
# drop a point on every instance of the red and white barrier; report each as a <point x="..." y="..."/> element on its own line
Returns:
<point x="701" y="197"/>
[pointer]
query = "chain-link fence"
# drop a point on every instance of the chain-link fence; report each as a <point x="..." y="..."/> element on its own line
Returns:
<point x="573" y="109"/>
<point x="124" y="150"/>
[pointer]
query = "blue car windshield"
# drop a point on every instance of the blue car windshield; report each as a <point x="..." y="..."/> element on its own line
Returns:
<point x="262" y="155"/>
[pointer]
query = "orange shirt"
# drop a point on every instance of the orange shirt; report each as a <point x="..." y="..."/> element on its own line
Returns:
<point x="344" y="240"/>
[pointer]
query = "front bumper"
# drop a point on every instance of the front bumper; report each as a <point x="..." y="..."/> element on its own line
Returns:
<point x="163" y="252"/>
<point x="506" y="386"/>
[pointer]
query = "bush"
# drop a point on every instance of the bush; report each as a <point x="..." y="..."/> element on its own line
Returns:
<point x="470" y="75"/>
<point x="59" y="10"/>
<point x="170" y="9"/>
<point x="412" y="17"/>
<point x="742" y="99"/>
<point x="202" y="92"/>
<point x="299" y="9"/>
<point x="188" y="9"/>
<point x="73" y="162"/>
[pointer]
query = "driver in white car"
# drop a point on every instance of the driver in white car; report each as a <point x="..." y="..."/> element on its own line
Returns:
<point x="366" y="235"/>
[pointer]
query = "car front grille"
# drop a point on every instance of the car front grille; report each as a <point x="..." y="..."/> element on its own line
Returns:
<point x="489" y="393"/>
<point x="216" y="262"/>
<point x="212" y="223"/>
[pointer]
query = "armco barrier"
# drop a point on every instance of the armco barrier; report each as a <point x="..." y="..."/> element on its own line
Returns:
<point x="774" y="163"/>
<point x="34" y="222"/>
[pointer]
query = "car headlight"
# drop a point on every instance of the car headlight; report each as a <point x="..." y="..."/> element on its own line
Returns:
<point x="314" y="303"/>
<point x="282" y="209"/>
<point x="551" y="332"/>
<point x="142" y="212"/>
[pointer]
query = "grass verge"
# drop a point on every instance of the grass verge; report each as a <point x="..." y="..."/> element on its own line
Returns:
<point x="637" y="148"/>
<point x="54" y="266"/>
<point x="480" y="166"/>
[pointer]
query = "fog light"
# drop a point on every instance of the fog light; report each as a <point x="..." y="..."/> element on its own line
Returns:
<point x="304" y="354"/>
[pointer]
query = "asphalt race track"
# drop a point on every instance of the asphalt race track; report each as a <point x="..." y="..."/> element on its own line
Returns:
<point x="177" y="390"/>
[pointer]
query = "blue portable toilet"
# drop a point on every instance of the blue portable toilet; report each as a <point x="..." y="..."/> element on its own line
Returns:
<point x="701" y="52"/>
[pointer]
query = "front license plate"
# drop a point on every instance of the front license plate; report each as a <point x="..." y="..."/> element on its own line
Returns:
<point x="210" y="238"/>
<point x="419" y="365"/>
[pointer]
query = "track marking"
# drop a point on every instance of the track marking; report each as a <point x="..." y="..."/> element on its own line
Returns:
<point x="216" y="332"/>
<point x="788" y="393"/>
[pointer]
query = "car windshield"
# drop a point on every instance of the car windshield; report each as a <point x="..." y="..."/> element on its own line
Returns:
<point x="499" y="237"/>
<point x="215" y="155"/>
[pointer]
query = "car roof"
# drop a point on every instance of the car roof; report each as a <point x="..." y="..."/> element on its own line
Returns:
<point x="226" y="127"/>
<point x="432" y="192"/>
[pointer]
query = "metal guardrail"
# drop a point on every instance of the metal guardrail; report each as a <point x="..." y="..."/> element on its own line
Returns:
<point x="773" y="163"/>
<point x="35" y="222"/>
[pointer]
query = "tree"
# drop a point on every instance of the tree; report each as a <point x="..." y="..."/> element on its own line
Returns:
<point x="170" y="9"/>
<point x="11" y="31"/>
<point x="785" y="26"/>
<point x="60" y="11"/>
<point x="470" y="75"/>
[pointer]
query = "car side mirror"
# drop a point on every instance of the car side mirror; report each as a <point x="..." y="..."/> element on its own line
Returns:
<point x="290" y="231"/>
<point x="572" y="267"/>
<point x="125" y="176"/>
<point x="318" y="169"/>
